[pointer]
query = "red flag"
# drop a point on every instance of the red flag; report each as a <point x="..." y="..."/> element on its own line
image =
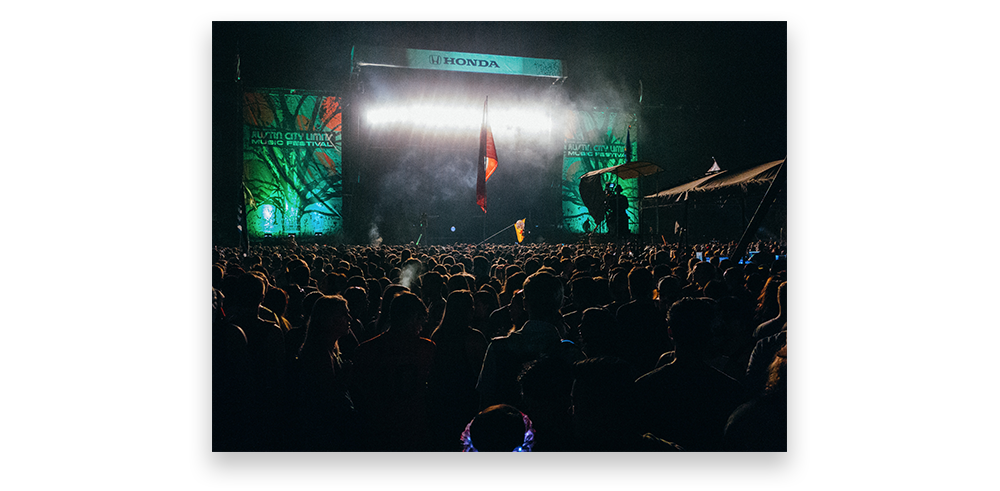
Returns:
<point x="487" y="158"/>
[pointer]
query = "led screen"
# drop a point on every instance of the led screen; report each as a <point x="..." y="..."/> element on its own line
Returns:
<point x="292" y="163"/>
<point x="595" y="140"/>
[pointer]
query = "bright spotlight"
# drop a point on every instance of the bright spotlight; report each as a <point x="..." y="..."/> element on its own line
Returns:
<point x="445" y="117"/>
<point x="523" y="119"/>
<point x="462" y="117"/>
<point x="380" y="116"/>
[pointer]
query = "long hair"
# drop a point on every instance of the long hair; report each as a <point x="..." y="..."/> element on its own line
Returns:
<point x="405" y="308"/>
<point x="513" y="282"/>
<point x="324" y="308"/>
<point x="488" y="299"/>
<point x="382" y="321"/>
<point x="457" y="314"/>
<point x="777" y="372"/>
<point x="767" y="301"/>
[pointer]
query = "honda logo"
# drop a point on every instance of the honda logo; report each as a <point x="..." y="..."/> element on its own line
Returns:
<point x="471" y="62"/>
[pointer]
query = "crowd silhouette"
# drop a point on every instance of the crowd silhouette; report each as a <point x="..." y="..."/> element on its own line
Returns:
<point x="499" y="348"/>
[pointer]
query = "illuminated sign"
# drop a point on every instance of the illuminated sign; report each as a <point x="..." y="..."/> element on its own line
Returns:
<point x="292" y="172"/>
<point x="455" y="61"/>
<point x="596" y="140"/>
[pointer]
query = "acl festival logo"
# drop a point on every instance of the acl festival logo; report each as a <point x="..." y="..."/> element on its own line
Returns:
<point x="447" y="60"/>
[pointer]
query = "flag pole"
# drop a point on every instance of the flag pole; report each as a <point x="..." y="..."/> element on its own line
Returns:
<point x="241" y="211"/>
<point x="496" y="234"/>
<point x="482" y="163"/>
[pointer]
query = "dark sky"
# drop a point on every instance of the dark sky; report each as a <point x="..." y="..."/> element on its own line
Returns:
<point x="685" y="62"/>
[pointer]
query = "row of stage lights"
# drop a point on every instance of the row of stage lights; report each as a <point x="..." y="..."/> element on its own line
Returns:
<point x="461" y="118"/>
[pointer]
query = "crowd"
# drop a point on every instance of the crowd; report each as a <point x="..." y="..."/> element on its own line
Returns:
<point x="499" y="348"/>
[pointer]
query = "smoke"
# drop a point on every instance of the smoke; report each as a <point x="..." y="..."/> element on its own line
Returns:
<point x="425" y="171"/>
<point x="421" y="177"/>
<point x="374" y="238"/>
<point x="409" y="274"/>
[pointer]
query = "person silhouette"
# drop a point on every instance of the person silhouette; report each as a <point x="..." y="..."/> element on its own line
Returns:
<point x="641" y="322"/>
<point x="546" y="386"/>
<point x="389" y="379"/>
<point x="458" y="356"/>
<point x="321" y="413"/>
<point x="687" y="401"/>
<point x="761" y="425"/>
<point x="505" y="356"/>
<point x="616" y="215"/>
<point x="265" y="346"/>
<point x="602" y="410"/>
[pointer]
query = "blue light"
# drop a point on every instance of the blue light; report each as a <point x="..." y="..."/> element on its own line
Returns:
<point x="452" y="228"/>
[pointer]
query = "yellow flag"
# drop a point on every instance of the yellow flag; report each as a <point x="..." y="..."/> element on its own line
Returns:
<point x="519" y="228"/>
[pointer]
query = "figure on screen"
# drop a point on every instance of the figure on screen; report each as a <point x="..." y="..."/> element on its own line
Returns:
<point x="616" y="205"/>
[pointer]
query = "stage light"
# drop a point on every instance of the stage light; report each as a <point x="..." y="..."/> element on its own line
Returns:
<point x="382" y="116"/>
<point x="523" y="119"/>
<point x="462" y="117"/>
<point x="446" y="117"/>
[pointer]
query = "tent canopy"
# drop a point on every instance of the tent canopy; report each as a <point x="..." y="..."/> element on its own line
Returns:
<point x="722" y="182"/>
<point x="630" y="170"/>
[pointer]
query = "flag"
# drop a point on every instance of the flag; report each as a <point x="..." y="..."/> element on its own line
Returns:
<point x="628" y="144"/>
<point x="519" y="229"/>
<point x="487" y="158"/>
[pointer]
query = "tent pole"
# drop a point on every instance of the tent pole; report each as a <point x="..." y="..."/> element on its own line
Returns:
<point x="776" y="186"/>
<point x="687" y="228"/>
<point x="657" y="208"/>
<point x="743" y="209"/>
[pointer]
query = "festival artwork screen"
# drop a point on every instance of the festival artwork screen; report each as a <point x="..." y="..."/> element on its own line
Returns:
<point x="292" y="163"/>
<point x="596" y="140"/>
